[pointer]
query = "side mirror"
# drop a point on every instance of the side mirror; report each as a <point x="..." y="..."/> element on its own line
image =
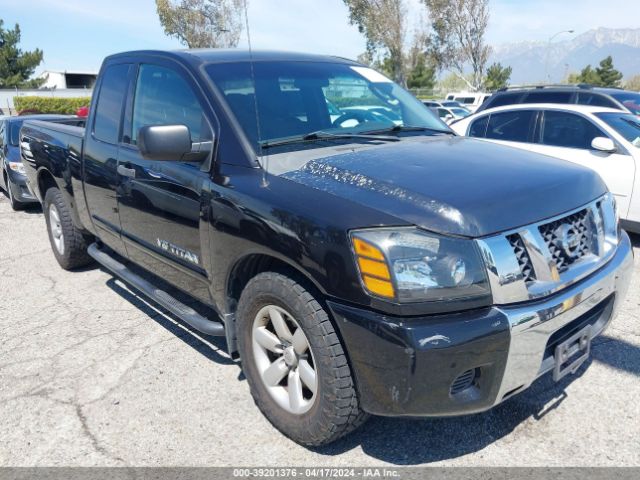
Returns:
<point x="603" y="144"/>
<point x="448" y="117"/>
<point x="164" y="142"/>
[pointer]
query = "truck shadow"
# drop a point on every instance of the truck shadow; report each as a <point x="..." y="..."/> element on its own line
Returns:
<point x="418" y="441"/>
<point x="212" y="348"/>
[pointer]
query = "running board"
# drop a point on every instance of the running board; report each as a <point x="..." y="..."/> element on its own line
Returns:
<point x="179" y="309"/>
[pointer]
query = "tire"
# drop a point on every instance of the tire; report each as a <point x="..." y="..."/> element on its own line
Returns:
<point x="315" y="418"/>
<point x="68" y="243"/>
<point x="15" y="205"/>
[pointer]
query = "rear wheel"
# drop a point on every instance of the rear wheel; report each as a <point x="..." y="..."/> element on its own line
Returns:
<point x="294" y="362"/>
<point x="68" y="243"/>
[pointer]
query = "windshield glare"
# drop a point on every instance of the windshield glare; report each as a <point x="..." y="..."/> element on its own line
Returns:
<point x="630" y="100"/>
<point x="298" y="98"/>
<point x="625" y="124"/>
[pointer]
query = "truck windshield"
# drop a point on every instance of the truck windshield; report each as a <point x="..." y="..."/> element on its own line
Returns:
<point x="295" y="99"/>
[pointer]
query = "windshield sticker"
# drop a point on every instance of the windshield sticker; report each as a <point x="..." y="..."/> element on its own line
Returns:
<point x="371" y="75"/>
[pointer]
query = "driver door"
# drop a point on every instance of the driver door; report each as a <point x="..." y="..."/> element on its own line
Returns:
<point x="162" y="210"/>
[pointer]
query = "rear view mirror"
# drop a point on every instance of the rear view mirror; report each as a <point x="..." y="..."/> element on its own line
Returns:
<point x="164" y="142"/>
<point x="603" y="144"/>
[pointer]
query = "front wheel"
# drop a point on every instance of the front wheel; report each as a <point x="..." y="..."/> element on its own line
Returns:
<point x="68" y="243"/>
<point x="294" y="362"/>
<point x="15" y="205"/>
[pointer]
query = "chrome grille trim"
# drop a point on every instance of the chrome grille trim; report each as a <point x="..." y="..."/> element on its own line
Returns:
<point x="582" y="224"/>
<point x="524" y="261"/>
<point x="516" y="275"/>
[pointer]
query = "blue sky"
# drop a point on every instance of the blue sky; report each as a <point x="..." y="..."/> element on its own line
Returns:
<point x="77" y="34"/>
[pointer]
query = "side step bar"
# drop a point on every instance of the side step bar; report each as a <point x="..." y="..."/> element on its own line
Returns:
<point x="182" y="311"/>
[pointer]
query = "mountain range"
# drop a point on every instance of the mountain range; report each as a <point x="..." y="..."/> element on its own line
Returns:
<point x="529" y="59"/>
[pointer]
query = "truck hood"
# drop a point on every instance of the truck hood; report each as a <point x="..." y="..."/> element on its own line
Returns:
<point x="454" y="185"/>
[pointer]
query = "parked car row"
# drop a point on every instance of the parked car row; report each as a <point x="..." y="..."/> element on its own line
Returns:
<point x="581" y="94"/>
<point x="12" y="179"/>
<point x="603" y="138"/>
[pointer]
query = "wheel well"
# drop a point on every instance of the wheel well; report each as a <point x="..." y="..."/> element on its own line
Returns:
<point x="45" y="182"/>
<point x="252" y="265"/>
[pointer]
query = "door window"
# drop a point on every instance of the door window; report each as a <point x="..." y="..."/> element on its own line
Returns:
<point x="504" y="99"/>
<point x="595" y="100"/>
<point x="163" y="97"/>
<point x="562" y="129"/>
<point x="479" y="127"/>
<point x="511" y="126"/>
<point x="109" y="107"/>
<point x="548" y="97"/>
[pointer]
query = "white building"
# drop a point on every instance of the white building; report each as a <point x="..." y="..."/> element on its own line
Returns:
<point x="68" y="79"/>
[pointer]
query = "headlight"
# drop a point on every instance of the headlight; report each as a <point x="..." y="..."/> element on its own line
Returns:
<point x="17" y="167"/>
<point x="410" y="265"/>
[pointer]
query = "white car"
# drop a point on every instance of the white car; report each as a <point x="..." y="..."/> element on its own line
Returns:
<point x="450" y="114"/>
<point x="604" y="139"/>
<point x="470" y="100"/>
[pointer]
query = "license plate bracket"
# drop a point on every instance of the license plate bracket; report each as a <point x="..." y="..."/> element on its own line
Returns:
<point x="572" y="353"/>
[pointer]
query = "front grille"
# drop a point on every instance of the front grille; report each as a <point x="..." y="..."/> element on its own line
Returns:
<point x="524" y="261"/>
<point x="569" y="239"/>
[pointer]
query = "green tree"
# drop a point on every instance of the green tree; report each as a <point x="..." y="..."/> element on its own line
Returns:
<point x="422" y="75"/>
<point x="457" y="41"/>
<point x="497" y="77"/>
<point x="609" y="76"/>
<point x="17" y="66"/>
<point x="586" y="75"/>
<point x="453" y="83"/>
<point x="202" y="23"/>
<point x="384" y="26"/>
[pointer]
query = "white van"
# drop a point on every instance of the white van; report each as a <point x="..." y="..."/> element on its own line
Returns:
<point x="471" y="100"/>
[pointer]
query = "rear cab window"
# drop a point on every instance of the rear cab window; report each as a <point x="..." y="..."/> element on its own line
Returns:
<point x="113" y="88"/>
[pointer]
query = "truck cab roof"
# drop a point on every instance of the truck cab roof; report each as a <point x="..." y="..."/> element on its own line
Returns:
<point x="228" y="55"/>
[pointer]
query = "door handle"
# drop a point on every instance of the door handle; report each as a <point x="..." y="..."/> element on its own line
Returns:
<point x="126" y="172"/>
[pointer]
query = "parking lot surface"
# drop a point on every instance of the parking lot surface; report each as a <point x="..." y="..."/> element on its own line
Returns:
<point x="93" y="374"/>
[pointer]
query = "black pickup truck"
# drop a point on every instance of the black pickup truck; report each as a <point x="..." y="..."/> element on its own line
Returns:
<point x="359" y="257"/>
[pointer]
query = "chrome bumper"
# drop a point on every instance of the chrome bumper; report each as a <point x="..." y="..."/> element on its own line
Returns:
<point x="533" y="324"/>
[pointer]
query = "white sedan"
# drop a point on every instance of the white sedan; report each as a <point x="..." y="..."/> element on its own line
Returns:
<point x="604" y="139"/>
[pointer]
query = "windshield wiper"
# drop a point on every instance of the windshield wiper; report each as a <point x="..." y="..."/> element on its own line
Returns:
<point x="409" y="128"/>
<point x="323" y="135"/>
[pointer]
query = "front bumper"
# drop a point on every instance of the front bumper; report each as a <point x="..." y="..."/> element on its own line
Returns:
<point x="20" y="188"/>
<point x="416" y="366"/>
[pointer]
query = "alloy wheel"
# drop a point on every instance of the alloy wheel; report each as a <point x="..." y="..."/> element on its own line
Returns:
<point x="284" y="359"/>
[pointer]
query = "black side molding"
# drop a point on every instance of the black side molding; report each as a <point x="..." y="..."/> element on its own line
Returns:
<point x="182" y="311"/>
